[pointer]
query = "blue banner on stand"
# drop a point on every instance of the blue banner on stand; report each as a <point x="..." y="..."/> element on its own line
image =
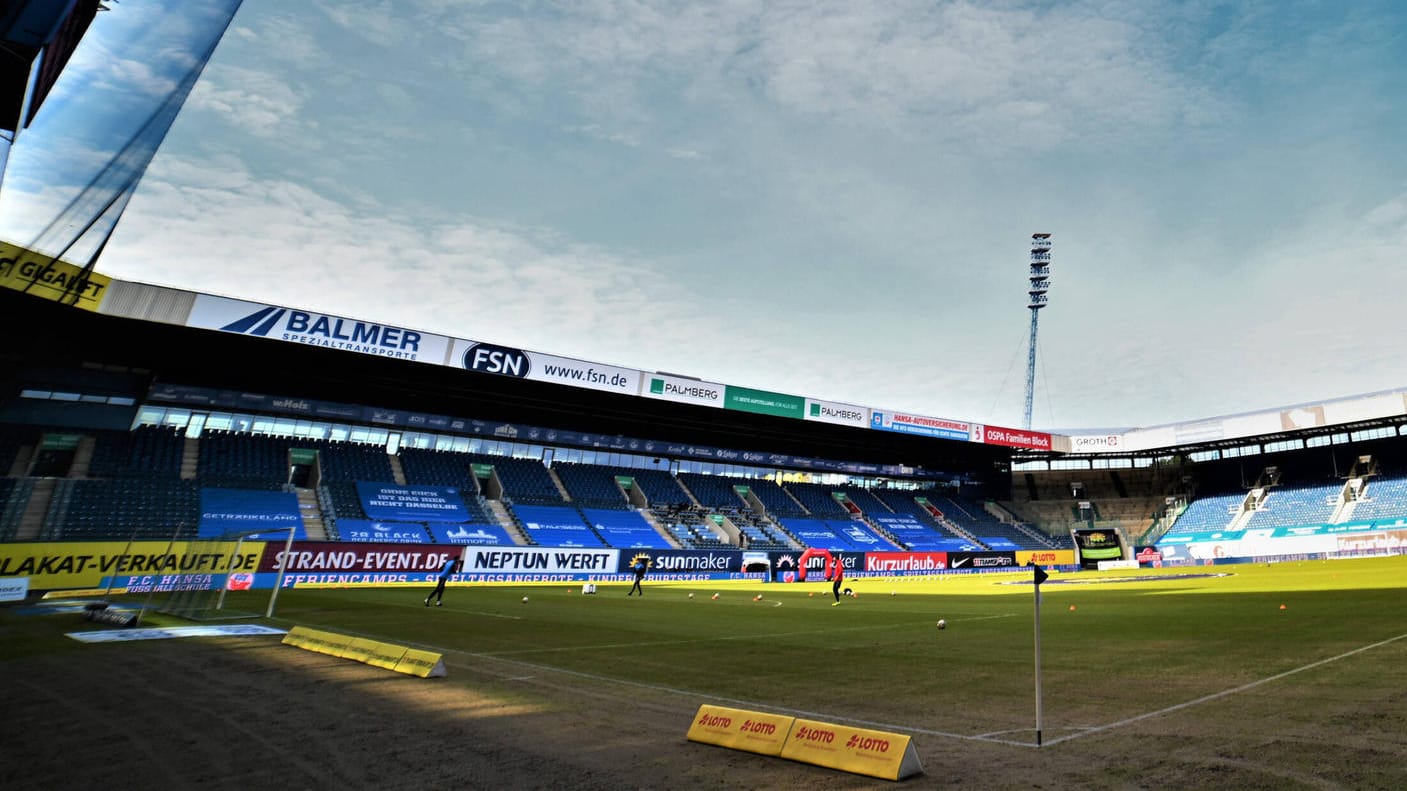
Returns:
<point x="228" y="511"/>
<point x="394" y="503"/>
<point x="470" y="534"/>
<point x="367" y="531"/>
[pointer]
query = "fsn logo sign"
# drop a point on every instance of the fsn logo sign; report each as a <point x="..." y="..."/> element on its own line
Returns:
<point x="500" y="360"/>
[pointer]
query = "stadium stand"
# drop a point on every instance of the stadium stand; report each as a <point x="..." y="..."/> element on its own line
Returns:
<point x="917" y="535"/>
<point x="758" y="533"/>
<point x="827" y="534"/>
<point x="688" y="526"/>
<point x="350" y="461"/>
<point x="91" y="510"/>
<point x="341" y="500"/>
<point x="426" y="467"/>
<point x="714" y="491"/>
<point x="14" y="497"/>
<point x="522" y="481"/>
<point x="14" y="439"/>
<point x="242" y="461"/>
<point x="865" y="500"/>
<point x="661" y="489"/>
<point x="818" y="499"/>
<point x="146" y="451"/>
<point x="1208" y="514"/>
<point x="593" y="485"/>
<point x="624" y="529"/>
<point x="1382" y="498"/>
<point x="775" y="499"/>
<point x="556" y="526"/>
<point x="1296" y="504"/>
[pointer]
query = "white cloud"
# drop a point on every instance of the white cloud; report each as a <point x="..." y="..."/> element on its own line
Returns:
<point x="961" y="71"/>
<point x="255" y="100"/>
<point x="374" y="22"/>
<point x="595" y="132"/>
<point x="827" y="198"/>
<point x="211" y="227"/>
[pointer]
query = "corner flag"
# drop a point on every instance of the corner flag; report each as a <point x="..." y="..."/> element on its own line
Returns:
<point x="1039" y="576"/>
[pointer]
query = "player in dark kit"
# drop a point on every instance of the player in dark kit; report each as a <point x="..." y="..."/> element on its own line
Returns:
<point x="438" y="594"/>
<point x="641" y="566"/>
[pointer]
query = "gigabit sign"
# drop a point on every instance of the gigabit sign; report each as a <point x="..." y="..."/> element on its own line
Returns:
<point x="490" y="358"/>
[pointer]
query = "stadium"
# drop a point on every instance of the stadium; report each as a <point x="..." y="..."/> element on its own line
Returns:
<point x="1217" y="603"/>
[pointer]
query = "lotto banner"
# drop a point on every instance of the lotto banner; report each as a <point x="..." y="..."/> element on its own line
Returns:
<point x="738" y="729"/>
<point x="72" y="564"/>
<point x="890" y="756"/>
<point x="1045" y="557"/>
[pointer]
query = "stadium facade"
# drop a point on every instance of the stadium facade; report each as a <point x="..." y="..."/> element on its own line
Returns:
<point x="94" y="363"/>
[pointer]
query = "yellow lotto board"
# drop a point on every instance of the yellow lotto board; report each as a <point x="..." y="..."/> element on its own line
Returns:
<point x="1046" y="557"/>
<point x="388" y="656"/>
<point x="84" y="564"/>
<point x="738" y="729"/>
<point x="23" y="269"/>
<point x="889" y="756"/>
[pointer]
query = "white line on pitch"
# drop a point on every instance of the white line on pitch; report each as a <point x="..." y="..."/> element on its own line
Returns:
<point x="766" y="636"/>
<point x="1223" y="693"/>
<point x="717" y="698"/>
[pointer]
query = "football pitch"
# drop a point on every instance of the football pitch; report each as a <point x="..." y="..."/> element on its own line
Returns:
<point x="1116" y="646"/>
<point x="1277" y="676"/>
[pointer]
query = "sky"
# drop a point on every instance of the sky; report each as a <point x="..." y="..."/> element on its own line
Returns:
<point x="828" y="199"/>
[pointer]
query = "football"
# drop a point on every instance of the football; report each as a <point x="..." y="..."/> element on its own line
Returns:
<point x="691" y="595"/>
<point x="942" y="624"/>
<point x="525" y="600"/>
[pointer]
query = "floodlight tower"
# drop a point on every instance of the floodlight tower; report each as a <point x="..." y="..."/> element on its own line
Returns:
<point x="1040" y="284"/>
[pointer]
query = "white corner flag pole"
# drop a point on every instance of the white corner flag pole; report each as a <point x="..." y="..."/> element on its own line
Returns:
<point x="1040" y="576"/>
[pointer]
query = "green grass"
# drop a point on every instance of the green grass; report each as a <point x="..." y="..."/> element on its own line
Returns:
<point x="1110" y="650"/>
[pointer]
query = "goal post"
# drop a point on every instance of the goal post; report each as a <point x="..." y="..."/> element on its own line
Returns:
<point x="200" y="594"/>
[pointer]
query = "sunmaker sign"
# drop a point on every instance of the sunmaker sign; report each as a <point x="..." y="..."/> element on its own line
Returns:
<point x="316" y="329"/>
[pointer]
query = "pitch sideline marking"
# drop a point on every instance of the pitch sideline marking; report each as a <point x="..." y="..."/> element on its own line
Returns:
<point x="715" y="698"/>
<point x="1083" y="730"/>
<point x="654" y="643"/>
<point x="987" y="737"/>
<point x="1224" y="693"/>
